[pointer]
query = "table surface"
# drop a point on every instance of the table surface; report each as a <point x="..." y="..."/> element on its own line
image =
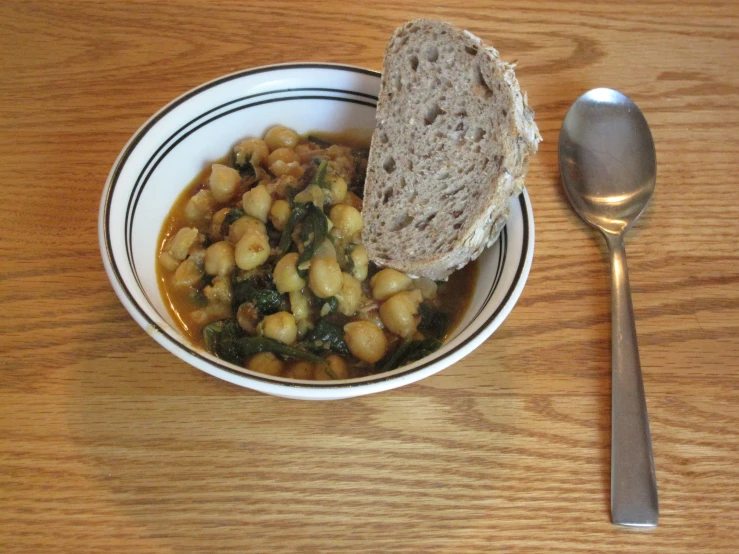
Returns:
<point x="108" y="442"/>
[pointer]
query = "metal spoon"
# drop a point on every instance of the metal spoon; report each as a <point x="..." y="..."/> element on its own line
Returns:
<point x="608" y="166"/>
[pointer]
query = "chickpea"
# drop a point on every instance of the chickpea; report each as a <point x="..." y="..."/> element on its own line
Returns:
<point x="324" y="277"/>
<point x="372" y="315"/>
<point x="223" y="182"/>
<point x="337" y="187"/>
<point x="217" y="223"/>
<point x="285" y="276"/>
<point x="399" y="313"/>
<point x="334" y="368"/>
<point x="286" y="155"/>
<point x="387" y="282"/>
<point x="248" y="316"/>
<point x="280" y="326"/>
<point x="337" y="152"/>
<point x="300" y="370"/>
<point x="279" y="214"/>
<point x="360" y="259"/>
<point x="346" y="219"/>
<point x="220" y="292"/>
<point x="365" y="340"/>
<point x="242" y="226"/>
<point x="280" y="186"/>
<point x="188" y="273"/>
<point x="197" y="252"/>
<point x="303" y="328"/>
<point x="168" y="261"/>
<point x="199" y="206"/>
<point x="299" y="305"/>
<point x="281" y="137"/>
<point x="251" y="150"/>
<point x="313" y="194"/>
<point x="283" y="169"/>
<point x="351" y="295"/>
<point x="257" y="202"/>
<point x="267" y="363"/>
<point x="353" y="200"/>
<point x="252" y="250"/>
<point x="307" y="151"/>
<point x="219" y="258"/>
<point x="181" y="243"/>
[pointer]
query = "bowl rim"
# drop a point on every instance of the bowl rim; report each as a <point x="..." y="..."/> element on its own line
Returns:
<point x="175" y="344"/>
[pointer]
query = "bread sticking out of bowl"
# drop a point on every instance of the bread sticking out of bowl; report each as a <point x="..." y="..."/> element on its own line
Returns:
<point x="453" y="136"/>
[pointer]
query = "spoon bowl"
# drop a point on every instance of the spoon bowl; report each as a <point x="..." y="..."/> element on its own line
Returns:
<point x="607" y="160"/>
<point x="608" y="166"/>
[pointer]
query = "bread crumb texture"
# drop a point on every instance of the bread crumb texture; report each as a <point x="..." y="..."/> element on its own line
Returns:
<point x="451" y="146"/>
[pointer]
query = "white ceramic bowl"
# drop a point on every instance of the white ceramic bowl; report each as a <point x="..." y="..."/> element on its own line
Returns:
<point x="170" y="149"/>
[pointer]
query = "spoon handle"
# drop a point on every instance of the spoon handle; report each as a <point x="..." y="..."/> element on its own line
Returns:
<point x="633" y="480"/>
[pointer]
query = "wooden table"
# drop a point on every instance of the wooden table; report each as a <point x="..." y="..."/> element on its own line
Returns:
<point x="110" y="443"/>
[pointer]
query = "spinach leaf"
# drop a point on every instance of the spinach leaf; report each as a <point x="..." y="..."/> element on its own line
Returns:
<point x="313" y="231"/>
<point x="312" y="228"/>
<point x="260" y="278"/>
<point x="327" y="336"/>
<point x="249" y="346"/>
<point x="407" y="352"/>
<point x="221" y="339"/>
<point x="241" y="161"/>
<point x="198" y="298"/>
<point x="434" y="323"/>
<point x="267" y="301"/>
<point x="330" y="305"/>
<point x="232" y="215"/>
<point x="320" y="177"/>
<point x="296" y="216"/>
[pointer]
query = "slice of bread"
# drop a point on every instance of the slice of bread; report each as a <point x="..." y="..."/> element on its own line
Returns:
<point x="451" y="146"/>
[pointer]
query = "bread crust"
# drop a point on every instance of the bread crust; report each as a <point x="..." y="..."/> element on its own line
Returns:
<point x="453" y="137"/>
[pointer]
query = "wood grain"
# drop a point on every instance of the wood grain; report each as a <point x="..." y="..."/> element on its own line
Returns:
<point x="107" y="442"/>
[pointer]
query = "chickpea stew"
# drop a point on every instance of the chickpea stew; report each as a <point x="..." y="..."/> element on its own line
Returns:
<point x="261" y="263"/>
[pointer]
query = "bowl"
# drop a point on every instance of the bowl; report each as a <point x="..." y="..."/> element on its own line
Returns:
<point x="170" y="149"/>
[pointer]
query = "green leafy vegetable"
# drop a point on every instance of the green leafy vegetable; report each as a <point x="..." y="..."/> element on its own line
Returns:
<point x="313" y="231"/>
<point x="434" y="323"/>
<point x="296" y="216"/>
<point x="198" y="298"/>
<point x="259" y="278"/>
<point x="232" y="215"/>
<point x="310" y="225"/>
<point x="249" y="346"/>
<point x="242" y="163"/>
<point x="220" y="339"/>
<point x="320" y="177"/>
<point x="267" y="301"/>
<point x="327" y="336"/>
<point x="329" y="306"/>
<point x="407" y="352"/>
